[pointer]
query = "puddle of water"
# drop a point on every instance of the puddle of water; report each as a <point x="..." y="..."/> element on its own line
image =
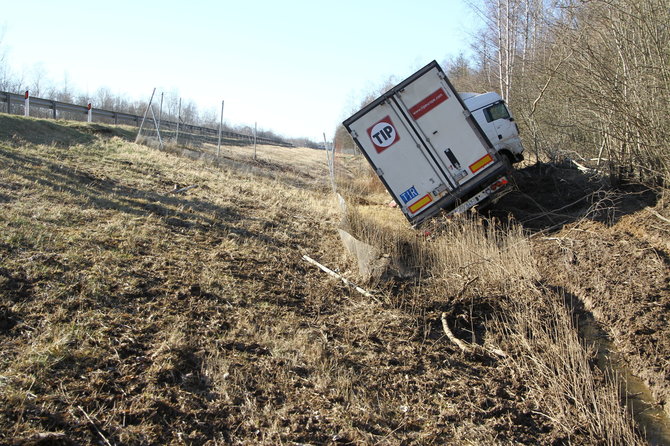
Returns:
<point x="650" y="417"/>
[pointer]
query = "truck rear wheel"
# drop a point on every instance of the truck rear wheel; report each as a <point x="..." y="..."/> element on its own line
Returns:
<point x="507" y="160"/>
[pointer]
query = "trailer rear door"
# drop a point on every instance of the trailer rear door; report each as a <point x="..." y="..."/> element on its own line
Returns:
<point x="444" y="123"/>
<point x="424" y="145"/>
<point x="396" y="153"/>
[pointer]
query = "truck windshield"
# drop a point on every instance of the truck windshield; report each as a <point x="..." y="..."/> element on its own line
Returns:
<point x="496" y="111"/>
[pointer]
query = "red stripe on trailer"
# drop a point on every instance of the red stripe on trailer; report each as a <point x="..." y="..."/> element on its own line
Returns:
<point x="429" y="103"/>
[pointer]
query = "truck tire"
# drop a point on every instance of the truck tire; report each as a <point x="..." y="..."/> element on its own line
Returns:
<point x="507" y="160"/>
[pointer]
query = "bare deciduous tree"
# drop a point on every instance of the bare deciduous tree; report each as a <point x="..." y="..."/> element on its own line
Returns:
<point x="587" y="79"/>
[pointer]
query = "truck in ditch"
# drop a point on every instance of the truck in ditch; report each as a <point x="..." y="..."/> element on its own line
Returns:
<point x="429" y="150"/>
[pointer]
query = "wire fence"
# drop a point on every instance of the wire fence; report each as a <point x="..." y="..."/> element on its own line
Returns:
<point x="168" y="132"/>
<point x="201" y="138"/>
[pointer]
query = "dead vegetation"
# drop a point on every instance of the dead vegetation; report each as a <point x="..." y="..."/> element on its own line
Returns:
<point x="133" y="315"/>
<point x="535" y="323"/>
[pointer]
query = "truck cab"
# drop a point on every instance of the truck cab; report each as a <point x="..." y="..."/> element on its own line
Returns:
<point x="495" y="119"/>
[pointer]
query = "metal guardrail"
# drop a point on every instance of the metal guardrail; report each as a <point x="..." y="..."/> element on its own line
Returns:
<point x="119" y="117"/>
<point x="56" y="106"/>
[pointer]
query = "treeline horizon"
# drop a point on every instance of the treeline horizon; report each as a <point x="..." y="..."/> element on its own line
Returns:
<point x="39" y="85"/>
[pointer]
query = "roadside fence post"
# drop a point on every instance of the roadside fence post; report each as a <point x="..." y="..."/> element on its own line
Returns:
<point x="176" y="136"/>
<point x="90" y="113"/>
<point x="139" y="132"/>
<point x="218" y="146"/>
<point x="160" y="112"/>
<point x="26" y="108"/>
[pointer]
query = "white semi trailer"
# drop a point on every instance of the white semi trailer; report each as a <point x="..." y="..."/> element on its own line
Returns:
<point x="428" y="149"/>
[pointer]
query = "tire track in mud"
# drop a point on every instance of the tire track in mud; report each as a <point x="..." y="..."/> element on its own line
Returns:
<point x="608" y="253"/>
<point x="617" y="285"/>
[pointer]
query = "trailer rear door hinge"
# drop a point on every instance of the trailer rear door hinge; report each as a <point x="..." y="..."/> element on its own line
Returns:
<point x="379" y="172"/>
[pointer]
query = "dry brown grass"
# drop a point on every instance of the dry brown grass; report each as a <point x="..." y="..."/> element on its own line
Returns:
<point x="136" y="315"/>
<point x="487" y="274"/>
<point x="540" y="334"/>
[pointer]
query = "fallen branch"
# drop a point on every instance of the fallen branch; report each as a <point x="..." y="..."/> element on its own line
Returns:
<point x="183" y="189"/>
<point x="95" y="426"/>
<point x="343" y="279"/>
<point x="656" y="214"/>
<point x="465" y="287"/>
<point x="553" y="212"/>
<point x="466" y="348"/>
<point x="583" y="168"/>
<point x="497" y="352"/>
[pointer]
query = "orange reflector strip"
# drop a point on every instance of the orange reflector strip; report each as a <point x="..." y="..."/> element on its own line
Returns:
<point x="481" y="162"/>
<point x="421" y="203"/>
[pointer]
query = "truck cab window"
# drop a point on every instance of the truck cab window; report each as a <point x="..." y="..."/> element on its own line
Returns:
<point x="496" y="111"/>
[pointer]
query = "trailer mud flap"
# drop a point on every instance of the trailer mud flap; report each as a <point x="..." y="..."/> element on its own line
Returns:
<point x="481" y="196"/>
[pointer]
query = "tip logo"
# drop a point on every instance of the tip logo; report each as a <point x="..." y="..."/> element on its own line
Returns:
<point x="383" y="134"/>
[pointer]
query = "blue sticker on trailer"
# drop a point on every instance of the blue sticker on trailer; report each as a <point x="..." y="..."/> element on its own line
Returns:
<point x="409" y="195"/>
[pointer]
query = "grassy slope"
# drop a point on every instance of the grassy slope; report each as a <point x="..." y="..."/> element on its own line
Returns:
<point x="141" y="316"/>
<point x="121" y="289"/>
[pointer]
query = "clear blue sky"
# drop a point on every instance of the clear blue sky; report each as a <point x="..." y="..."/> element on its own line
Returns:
<point x="296" y="67"/>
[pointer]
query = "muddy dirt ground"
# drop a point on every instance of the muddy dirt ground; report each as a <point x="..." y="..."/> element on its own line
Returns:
<point x="132" y="316"/>
<point x="608" y="247"/>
